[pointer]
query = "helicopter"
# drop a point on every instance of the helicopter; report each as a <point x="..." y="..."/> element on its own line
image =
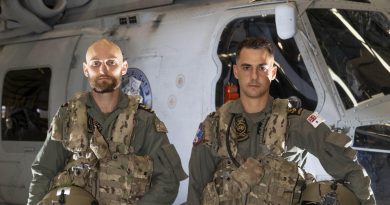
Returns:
<point x="333" y="57"/>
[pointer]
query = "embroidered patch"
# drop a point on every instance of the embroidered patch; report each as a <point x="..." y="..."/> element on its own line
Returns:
<point x="199" y="135"/>
<point x="295" y="111"/>
<point x="315" y="119"/>
<point x="160" y="126"/>
<point x="241" y="128"/>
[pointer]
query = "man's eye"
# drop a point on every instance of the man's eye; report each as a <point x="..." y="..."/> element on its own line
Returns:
<point x="246" y="67"/>
<point x="263" y="68"/>
<point x="111" y="62"/>
<point x="95" y="63"/>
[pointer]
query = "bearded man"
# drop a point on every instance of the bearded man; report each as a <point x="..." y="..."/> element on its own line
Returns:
<point x="106" y="143"/>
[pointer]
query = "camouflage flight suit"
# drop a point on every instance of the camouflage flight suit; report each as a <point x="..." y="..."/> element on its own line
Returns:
<point x="209" y="165"/>
<point x="148" y="147"/>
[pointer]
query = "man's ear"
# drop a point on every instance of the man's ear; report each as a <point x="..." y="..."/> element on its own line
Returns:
<point x="235" y="71"/>
<point x="125" y="66"/>
<point x="85" y="71"/>
<point x="272" y="74"/>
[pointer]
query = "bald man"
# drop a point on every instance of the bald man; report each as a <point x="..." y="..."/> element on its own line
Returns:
<point x="107" y="143"/>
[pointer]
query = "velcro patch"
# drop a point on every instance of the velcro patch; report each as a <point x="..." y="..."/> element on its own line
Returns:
<point x="160" y="126"/>
<point x="315" y="119"/>
<point x="199" y="135"/>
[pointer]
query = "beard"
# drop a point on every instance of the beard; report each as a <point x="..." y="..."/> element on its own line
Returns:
<point x="107" y="86"/>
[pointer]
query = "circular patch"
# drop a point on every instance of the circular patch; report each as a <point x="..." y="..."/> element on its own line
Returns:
<point x="135" y="82"/>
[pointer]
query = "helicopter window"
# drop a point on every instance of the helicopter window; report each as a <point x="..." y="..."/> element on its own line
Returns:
<point x="292" y="77"/>
<point x="374" y="137"/>
<point x="373" y="143"/>
<point x="356" y="47"/>
<point x="25" y="105"/>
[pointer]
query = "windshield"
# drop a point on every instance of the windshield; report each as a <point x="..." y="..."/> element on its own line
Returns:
<point x="356" y="48"/>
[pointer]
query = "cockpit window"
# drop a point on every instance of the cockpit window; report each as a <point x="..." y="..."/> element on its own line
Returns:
<point x="356" y="47"/>
<point x="24" y="115"/>
<point x="292" y="77"/>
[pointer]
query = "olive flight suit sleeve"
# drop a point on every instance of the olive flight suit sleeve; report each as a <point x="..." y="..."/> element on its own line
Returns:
<point x="48" y="162"/>
<point x="203" y="162"/>
<point x="202" y="165"/>
<point x="332" y="150"/>
<point x="151" y="139"/>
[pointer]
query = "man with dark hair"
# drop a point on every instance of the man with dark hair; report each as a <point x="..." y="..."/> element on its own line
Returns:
<point x="106" y="143"/>
<point x="244" y="152"/>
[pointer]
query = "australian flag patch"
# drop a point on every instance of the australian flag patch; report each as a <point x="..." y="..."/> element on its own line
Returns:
<point x="199" y="135"/>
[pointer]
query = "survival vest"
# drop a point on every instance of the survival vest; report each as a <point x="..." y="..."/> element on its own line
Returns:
<point x="108" y="169"/>
<point x="264" y="179"/>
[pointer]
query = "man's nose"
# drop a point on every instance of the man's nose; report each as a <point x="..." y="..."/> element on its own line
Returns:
<point x="253" y="73"/>
<point x="103" y="68"/>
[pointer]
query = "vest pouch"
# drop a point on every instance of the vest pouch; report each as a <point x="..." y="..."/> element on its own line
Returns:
<point x="278" y="183"/>
<point x="229" y="193"/>
<point x="248" y="175"/>
<point x="223" y="186"/>
<point x="124" y="178"/>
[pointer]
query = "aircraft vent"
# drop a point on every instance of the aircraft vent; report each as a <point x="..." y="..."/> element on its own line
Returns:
<point x="128" y="20"/>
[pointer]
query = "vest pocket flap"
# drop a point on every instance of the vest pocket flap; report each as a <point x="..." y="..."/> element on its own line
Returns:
<point x="174" y="160"/>
<point x="248" y="174"/>
<point x="141" y="167"/>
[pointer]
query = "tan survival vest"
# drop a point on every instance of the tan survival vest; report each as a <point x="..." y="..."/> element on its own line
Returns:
<point x="108" y="169"/>
<point x="266" y="179"/>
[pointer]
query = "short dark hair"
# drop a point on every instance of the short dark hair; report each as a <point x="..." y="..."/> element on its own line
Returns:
<point x="255" y="43"/>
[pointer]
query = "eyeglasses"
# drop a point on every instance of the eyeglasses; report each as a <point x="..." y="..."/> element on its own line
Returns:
<point x="110" y="62"/>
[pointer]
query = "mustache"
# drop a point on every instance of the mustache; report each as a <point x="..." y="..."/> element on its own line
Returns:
<point x="104" y="76"/>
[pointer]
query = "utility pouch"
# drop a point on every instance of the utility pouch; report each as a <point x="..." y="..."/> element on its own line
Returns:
<point x="248" y="175"/>
<point x="124" y="178"/>
<point x="278" y="183"/>
<point x="223" y="190"/>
